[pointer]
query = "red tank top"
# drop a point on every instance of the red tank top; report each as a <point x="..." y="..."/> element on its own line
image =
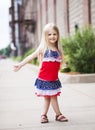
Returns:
<point x="50" y="66"/>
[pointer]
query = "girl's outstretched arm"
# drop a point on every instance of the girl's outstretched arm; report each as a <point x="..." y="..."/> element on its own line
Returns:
<point x="18" y="66"/>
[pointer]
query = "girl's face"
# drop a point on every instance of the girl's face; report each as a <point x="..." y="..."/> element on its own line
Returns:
<point x="52" y="36"/>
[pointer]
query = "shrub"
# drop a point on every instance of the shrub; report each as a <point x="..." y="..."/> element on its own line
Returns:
<point x="79" y="50"/>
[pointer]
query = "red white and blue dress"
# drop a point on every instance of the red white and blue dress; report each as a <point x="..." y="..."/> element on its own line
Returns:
<point x="48" y="84"/>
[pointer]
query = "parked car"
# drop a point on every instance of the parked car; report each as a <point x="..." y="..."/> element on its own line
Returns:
<point x="2" y="57"/>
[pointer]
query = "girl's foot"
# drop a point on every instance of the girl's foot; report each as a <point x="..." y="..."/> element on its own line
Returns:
<point x="61" y="118"/>
<point x="44" y="119"/>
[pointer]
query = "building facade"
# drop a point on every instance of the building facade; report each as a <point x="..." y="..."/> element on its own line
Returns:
<point x="68" y="15"/>
<point x="23" y="25"/>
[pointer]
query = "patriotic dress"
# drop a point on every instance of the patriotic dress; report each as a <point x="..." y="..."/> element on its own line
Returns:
<point x="48" y="84"/>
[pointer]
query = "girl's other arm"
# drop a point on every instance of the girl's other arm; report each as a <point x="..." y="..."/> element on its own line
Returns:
<point x="25" y="61"/>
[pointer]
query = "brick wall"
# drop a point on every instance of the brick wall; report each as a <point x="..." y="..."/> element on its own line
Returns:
<point x="65" y="13"/>
<point x="93" y="12"/>
<point x="43" y="12"/>
<point x="50" y="11"/>
<point x="60" y="16"/>
<point x="39" y="19"/>
<point x="49" y="14"/>
<point x="46" y="13"/>
<point x="75" y="14"/>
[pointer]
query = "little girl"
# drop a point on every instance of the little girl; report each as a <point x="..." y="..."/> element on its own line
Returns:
<point x="47" y="83"/>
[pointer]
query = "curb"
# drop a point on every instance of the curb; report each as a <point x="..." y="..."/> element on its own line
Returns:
<point x="77" y="78"/>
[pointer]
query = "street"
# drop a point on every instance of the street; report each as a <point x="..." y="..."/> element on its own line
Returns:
<point x="20" y="109"/>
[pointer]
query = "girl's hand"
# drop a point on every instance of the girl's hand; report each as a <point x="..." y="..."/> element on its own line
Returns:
<point x="17" y="67"/>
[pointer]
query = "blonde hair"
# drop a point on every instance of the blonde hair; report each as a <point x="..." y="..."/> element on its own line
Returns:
<point x="44" y="43"/>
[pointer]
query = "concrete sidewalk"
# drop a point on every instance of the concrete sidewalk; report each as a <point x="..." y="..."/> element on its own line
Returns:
<point x="20" y="109"/>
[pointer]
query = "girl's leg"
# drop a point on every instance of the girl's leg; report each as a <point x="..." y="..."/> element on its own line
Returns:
<point x="44" y="118"/>
<point x="55" y="105"/>
<point x="46" y="105"/>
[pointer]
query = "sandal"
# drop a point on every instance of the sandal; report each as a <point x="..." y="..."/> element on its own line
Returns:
<point x="44" y="119"/>
<point x="61" y="118"/>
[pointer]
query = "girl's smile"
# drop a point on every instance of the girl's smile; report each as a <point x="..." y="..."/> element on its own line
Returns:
<point x="52" y="36"/>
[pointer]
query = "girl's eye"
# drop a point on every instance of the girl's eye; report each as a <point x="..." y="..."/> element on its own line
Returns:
<point x="52" y="34"/>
